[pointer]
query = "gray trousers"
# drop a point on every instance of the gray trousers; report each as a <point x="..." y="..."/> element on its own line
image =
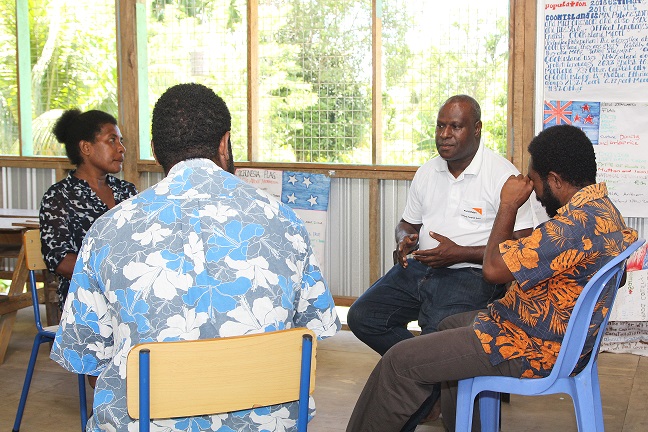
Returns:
<point x="405" y="375"/>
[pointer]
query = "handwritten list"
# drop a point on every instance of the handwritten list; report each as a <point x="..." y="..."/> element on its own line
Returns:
<point x="622" y="155"/>
<point x="596" y="78"/>
<point x="594" y="47"/>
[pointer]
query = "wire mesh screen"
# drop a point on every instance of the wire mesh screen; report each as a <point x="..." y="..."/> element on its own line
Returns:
<point x="73" y="63"/>
<point x="315" y="81"/>
<point x="8" y="81"/>
<point x="203" y="41"/>
<point x="431" y="51"/>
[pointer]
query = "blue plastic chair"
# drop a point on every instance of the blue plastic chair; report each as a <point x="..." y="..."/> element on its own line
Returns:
<point x="34" y="260"/>
<point x="212" y="376"/>
<point x="583" y="387"/>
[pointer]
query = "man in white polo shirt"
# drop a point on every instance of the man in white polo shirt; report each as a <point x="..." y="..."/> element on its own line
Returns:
<point x="451" y="206"/>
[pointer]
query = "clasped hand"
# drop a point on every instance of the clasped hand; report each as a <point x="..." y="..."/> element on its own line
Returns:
<point x="444" y="255"/>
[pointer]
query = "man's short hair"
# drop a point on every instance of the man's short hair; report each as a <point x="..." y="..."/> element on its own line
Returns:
<point x="476" y="109"/>
<point x="567" y="151"/>
<point x="188" y="122"/>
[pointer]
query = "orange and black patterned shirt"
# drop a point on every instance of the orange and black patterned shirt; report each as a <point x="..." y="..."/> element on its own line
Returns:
<point x="551" y="267"/>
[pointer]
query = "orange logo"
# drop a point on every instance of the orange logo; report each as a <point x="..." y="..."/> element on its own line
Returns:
<point x="478" y="210"/>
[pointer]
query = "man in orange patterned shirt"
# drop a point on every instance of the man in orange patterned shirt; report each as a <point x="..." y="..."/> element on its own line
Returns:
<point x="519" y="335"/>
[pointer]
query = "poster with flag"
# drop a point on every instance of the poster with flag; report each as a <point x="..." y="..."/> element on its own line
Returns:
<point x="584" y="115"/>
<point x="306" y="193"/>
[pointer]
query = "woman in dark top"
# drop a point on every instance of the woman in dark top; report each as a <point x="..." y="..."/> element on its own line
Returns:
<point x="68" y="209"/>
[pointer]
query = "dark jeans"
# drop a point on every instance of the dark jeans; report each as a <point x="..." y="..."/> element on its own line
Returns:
<point x="380" y="316"/>
<point x="407" y="373"/>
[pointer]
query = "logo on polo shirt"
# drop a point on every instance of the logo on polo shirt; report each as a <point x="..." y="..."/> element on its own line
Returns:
<point x="473" y="213"/>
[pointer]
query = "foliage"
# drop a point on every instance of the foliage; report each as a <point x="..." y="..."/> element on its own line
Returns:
<point x="193" y="40"/>
<point x="315" y="72"/>
<point x="475" y="64"/>
<point x="74" y="64"/>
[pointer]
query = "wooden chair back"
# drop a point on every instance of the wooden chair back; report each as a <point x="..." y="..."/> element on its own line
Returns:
<point x="33" y="254"/>
<point x="211" y="376"/>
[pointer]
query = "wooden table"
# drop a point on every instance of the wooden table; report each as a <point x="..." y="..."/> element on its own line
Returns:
<point x="11" y="230"/>
<point x="19" y="213"/>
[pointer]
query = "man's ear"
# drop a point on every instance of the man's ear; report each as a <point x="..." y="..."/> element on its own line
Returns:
<point x="478" y="129"/>
<point x="555" y="180"/>
<point x="153" y="153"/>
<point x="223" y="149"/>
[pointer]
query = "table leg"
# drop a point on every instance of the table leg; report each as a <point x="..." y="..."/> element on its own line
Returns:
<point x="7" y="320"/>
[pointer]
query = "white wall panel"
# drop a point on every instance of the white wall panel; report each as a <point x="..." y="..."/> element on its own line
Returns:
<point x="347" y="237"/>
<point x="347" y="246"/>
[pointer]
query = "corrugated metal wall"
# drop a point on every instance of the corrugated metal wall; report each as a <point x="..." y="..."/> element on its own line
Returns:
<point x="347" y="246"/>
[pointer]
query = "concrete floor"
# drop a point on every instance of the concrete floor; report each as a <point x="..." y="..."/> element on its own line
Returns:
<point x="343" y="364"/>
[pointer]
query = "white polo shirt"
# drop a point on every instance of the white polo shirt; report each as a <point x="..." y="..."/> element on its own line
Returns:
<point x="463" y="208"/>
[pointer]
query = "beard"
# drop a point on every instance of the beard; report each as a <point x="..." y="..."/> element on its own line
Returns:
<point x="549" y="200"/>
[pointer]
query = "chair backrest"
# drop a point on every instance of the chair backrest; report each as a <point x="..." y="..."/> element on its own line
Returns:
<point x="210" y="376"/>
<point x="602" y="287"/>
<point x="35" y="262"/>
<point x="33" y="254"/>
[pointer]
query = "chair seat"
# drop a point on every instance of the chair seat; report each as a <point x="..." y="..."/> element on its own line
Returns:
<point x="52" y="328"/>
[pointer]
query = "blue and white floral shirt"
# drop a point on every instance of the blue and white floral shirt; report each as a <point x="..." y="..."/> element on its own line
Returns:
<point x="201" y="254"/>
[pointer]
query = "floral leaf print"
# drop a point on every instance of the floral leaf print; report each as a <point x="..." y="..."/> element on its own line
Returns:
<point x="234" y="241"/>
<point x="183" y="327"/>
<point x="579" y="216"/>
<point x="559" y="320"/>
<point x="84" y="315"/>
<point x="103" y="396"/>
<point x="192" y="424"/>
<point x="155" y="273"/>
<point x="322" y="323"/>
<point x="297" y="242"/>
<point x="86" y="362"/>
<point x="566" y="261"/>
<point x="219" y="212"/>
<point x="630" y="236"/>
<point x="92" y="300"/>
<point x="272" y="421"/>
<point x="485" y="339"/>
<point x="263" y="316"/>
<point x="517" y="254"/>
<point x="125" y="213"/>
<point x="604" y="226"/>
<point x="133" y="309"/>
<point x="269" y="206"/>
<point x="255" y="269"/>
<point x="195" y="252"/>
<point x="563" y="291"/>
<point x="152" y="235"/>
<point x="612" y="247"/>
<point x="556" y="234"/>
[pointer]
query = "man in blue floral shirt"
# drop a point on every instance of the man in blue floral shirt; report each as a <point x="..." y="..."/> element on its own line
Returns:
<point x="199" y="255"/>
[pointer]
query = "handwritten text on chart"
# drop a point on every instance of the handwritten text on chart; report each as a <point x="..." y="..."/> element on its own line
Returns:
<point x="606" y="45"/>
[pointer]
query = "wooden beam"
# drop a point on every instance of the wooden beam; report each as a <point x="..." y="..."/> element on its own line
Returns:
<point x="253" y="80"/>
<point x="376" y="84"/>
<point x="521" y="86"/>
<point x="16" y="302"/>
<point x="127" y="86"/>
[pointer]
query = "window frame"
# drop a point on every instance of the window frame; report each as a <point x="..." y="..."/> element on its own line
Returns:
<point x="132" y="87"/>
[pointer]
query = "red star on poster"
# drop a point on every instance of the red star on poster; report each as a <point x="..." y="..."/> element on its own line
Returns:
<point x="589" y="119"/>
<point x="586" y="107"/>
<point x="576" y="118"/>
